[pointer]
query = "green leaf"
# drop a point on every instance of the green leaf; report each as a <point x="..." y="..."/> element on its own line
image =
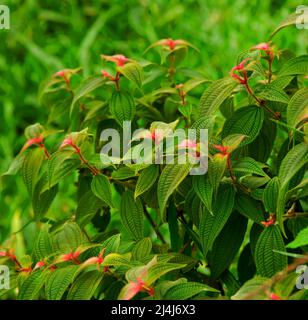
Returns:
<point x="60" y="164"/>
<point x="132" y="215"/>
<point x="270" y="195"/>
<point x="170" y="178"/>
<point x="42" y="198"/>
<point x="204" y="189"/>
<point x="115" y="259"/>
<point x="142" y="249"/>
<point x="87" y="207"/>
<point x="272" y="93"/>
<point x="85" y="285"/>
<point x="32" y="285"/>
<point x="295" y="159"/>
<point x="123" y="173"/>
<point x="295" y="66"/>
<point x="248" y="165"/>
<point x="268" y="262"/>
<point x="297" y="110"/>
<point x="122" y="106"/>
<point x="87" y="86"/>
<point x="211" y="225"/>
<point x="300" y="240"/>
<point x="158" y="270"/>
<point x="249" y="207"/>
<point x="227" y="244"/>
<point x="59" y="281"/>
<point x="251" y="290"/>
<point x="215" y="95"/>
<point x="186" y="290"/>
<point x="247" y="121"/>
<point x="146" y="179"/>
<point x="43" y="246"/>
<point x="31" y="168"/>
<point x="70" y="237"/>
<point x="133" y="72"/>
<point x="101" y="188"/>
<point x="216" y="168"/>
<point x="292" y="19"/>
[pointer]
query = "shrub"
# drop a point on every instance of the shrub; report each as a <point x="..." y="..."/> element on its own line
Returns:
<point x="154" y="231"/>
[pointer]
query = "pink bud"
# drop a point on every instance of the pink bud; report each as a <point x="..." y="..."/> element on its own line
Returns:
<point x="118" y="59"/>
<point x="273" y="296"/>
<point x="39" y="264"/>
<point x="107" y="75"/>
<point x="261" y="46"/>
<point x="67" y="142"/>
<point x="222" y="149"/>
<point x="66" y="257"/>
<point x="3" y="254"/>
<point x="30" y="142"/>
<point x="187" y="144"/>
<point x="60" y="73"/>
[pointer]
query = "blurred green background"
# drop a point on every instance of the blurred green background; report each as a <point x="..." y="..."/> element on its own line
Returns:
<point x="46" y="36"/>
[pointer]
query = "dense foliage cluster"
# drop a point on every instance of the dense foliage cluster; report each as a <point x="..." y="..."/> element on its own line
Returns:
<point x="153" y="231"/>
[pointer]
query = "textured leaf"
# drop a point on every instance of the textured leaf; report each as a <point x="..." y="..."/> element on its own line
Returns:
<point x="251" y="290"/>
<point x="249" y="207"/>
<point x="70" y="237"/>
<point x="216" y="168"/>
<point x="87" y="207"/>
<point x="32" y="285"/>
<point x="211" y="225"/>
<point x="87" y="86"/>
<point x="186" y="290"/>
<point x="132" y="215"/>
<point x="248" y="165"/>
<point x="31" y="167"/>
<point x="295" y="66"/>
<point x="142" y="249"/>
<point x="123" y="173"/>
<point x="85" y="285"/>
<point x="298" y="108"/>
<point x="122" y="106"/>
<point x="270" y="195"/>
<point x="43" y="246"/>
<point x="215" y="95"/>
<point x="300" y="240"/>
<point x="227" y="244"/>
<point x="115" y="259"/>
<point x="41" y="198"/>
<point x="146" y="179"/>
<point x="101" y="188"/>
<point x="170" y="178"/>
<point x="295" y="159"/>
<point x="60" y="164"/>
<point x="59" y="281"/>
<point x="272" y="93"/>
<point x="247" y="120"/>
<point x="204" y="189"/>
<point x="160" y="269"/>
<point x="133" y="72"/>
<point x="269" y="262"/>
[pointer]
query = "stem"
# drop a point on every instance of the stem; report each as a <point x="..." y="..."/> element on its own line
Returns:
<point x="94" y="170"/>
<point x="229" y="166"/>
<point x="153" y="224"/>
<point x="45" y="150"/>
<point x="116" y="80"/>
<point x="260" y="102"/>
<point x="270" y="73"/>
<point x="171" y="68"/>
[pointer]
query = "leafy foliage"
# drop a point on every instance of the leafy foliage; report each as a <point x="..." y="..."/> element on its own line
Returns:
<point x="138" y="230"/>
